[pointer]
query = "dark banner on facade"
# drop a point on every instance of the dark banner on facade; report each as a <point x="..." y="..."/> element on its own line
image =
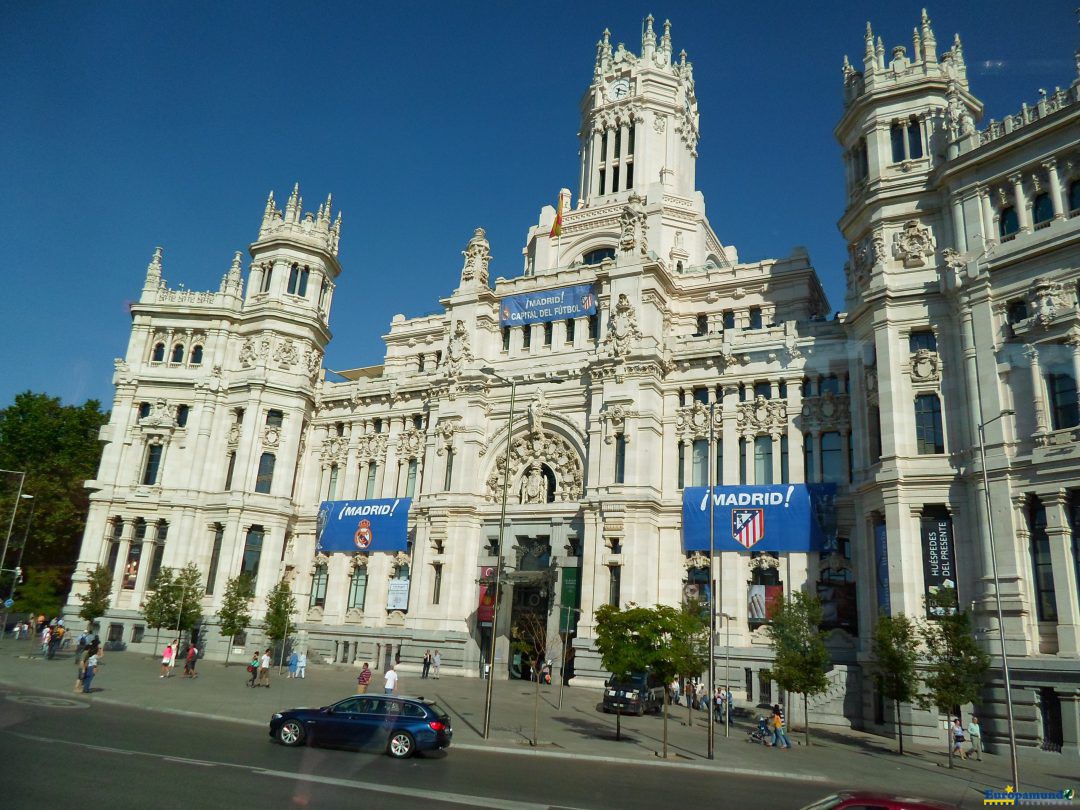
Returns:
<point x="881" y="568"/>
<point x="547" y="305"/>
<point x="786" y="517"/>
<point x="762" y="602"/>
<point x="485" y="610"/>
<point x="350" y="526"/>
<point x="939" y="566"/>
<point x="570" y="597"/>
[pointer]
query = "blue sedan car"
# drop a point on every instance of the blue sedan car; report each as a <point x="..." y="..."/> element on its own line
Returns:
<point x="398" y="725"/>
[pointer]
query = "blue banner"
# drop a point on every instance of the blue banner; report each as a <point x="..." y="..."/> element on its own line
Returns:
<point x="376" y="525"/>
<point x="881" y="568"/>
<point x="786" y="517"/>
<point x="547" y="305"/>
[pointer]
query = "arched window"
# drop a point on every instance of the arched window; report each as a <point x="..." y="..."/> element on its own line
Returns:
<point x="1042" y="210"/>
<point x="1074" y="197"/>
<point x="196" y="355"/>
<point x="302" y="289"/>
<point x="159" y="353"/>
<point x="177" y="353"/>
<point x="1010" y="222"/>
<point x="598" y="255"/>
<point x="182" y="412"/>
<point x="549" y="479"/>
<point x="267" y="279"/>
<point x="265" y="477"/>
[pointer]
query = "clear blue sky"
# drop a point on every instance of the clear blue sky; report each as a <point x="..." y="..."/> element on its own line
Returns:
<point x="129" y="125"/>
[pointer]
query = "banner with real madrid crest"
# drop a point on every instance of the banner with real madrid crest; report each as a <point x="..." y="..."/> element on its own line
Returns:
<point x="374" y="525"/>
<point x="785" y="517"/>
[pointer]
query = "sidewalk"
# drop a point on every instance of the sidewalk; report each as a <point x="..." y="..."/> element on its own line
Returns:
<point x="837" y="757"/>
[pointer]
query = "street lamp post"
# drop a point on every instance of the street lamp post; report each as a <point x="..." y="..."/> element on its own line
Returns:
<point x="713" y="595"/>
<point x="997" y="589"/>
<point x="562" y="662"/>
<point x="14" y="509"/>
<point x="18" y="563"/>
<point x="179" y="618"/>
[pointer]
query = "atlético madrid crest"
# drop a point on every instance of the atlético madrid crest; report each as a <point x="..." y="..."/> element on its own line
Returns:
<point x="748" y="526"/>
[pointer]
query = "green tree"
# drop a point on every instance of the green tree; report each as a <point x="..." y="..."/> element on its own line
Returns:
<point x="956" y="666"/>
<point x="896" y="655"/>
<point x="234" y="615"/>
<point x="189" y="584"/>
<point x="280" y="607"/>
<point x="96" y="600"/>
<point x="800" y="656"/>
<point x="689" y="648"/>
<point x="624" y="648"/>
<point x="59" y="449"/>
<point x="532" y="640"/>
<point x="39" y="595"/>
<point x="161" y="607"/>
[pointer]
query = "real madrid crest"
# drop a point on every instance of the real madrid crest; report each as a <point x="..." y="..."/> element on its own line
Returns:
<point x="363" y="536"/>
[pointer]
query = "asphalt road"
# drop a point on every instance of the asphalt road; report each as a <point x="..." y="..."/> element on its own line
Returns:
<point x="55" y="752"/>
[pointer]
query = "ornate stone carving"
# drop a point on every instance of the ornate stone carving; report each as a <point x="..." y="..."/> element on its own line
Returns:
<point x="477" y="258"/>
<point x="457" y="349"/>
<point x="535" y="413"/>
<point x="335" y="450"/>
<point x="622" y="327"/>
<point x="248" y="355"/>
<point x="696" y="560"/>
<point x="865" y="253"/>
<point x="692" y="421"/>
<point x="659" y="123"/>
<point x="870" y="383"/>
<point x="359" y="560"/>
<point x="925" y="366"/>
<point x="372" y="447"/>
<point x="444" y="433"/>
<point x="410" y="443"/>
<point x="313" y="360"/>
<point x="1046" y="300"/>
<point x="271" y="435"/>
<point x="534" y="485"/>
<point x="764" y="562"/>
<point x="614" y="419"/>
<point x="397" y="562"/>
<point x="632" y="223"/>
<point x="548" y="449"/>
<point x="762" y="415"/>
<point x="234" y="434"/>
<point x="826" y="412"/>
<point x="958" y="118"/>
<point x="285" y="353"/>
<point x="161" y="416"/>
<point x="914" y="244"/>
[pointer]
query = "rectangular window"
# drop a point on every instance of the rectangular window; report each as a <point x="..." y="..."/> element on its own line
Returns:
<point x="629" y="175"/>
<point x="783" y="389"/>
<point x="896" y="137"/>
<point x="114" y="554"/>
<point x="719" y="475"/>
<point x="229" y="471"/>
<point x="755" y="318"/>
<point x="526" y="337"/>
<point x="682" y="465"/>
<point x="331" y="489"/>
<point x="153" y="462"/>
<point x="137" y="633"/>
<point x="808" y="458"/>
<point x="603" y="151"/>
<point x="832" y="459"/>
<point x="373" y="470"/>
<point x="548" y="332"/>
<point x="253" y="543"/>
<point x="215" y="558"/>
<point x="116" y="634"/>
<point x="268" y="277"/>
<point x="448" y="476"/>
<point x="922" y="339"/>
<point x="436" y="587"/>
<point x="701" y="395"/>
<point x="131" y="569"/>
<point x="601" y="182"/>
<point x="875" y="434"/>
<point x="1074" y="526"/>
<point x="763" y="460"/>
<point x="618" y="143"/>
<point x="729" y="319"/>
<point x="850" y="457"/>
<point x="155" y="564"/>
<point x="699" y="463"/>
<point x="620" y="458"/>
<point x="1064" y="407"/>
<point x="1041" y="564"/>
<point x="410" y="479"/>
<point x="763" y="389"/>
<point x="829" y="385"/>
<point x="319" y="578"/>
<point x="929" y="437"/>
<point x="742" y="461"/>
<point x="614" y="179"/>
<point x="265" y="479"/>
<point x="914" y="135"/>
<point x="630" y="140"/>
<point x="785" y="475"/>
<point x="570" y="324"/>
<point x="506" y="338"/>
<point x="749" y="679"/>
<point x="614" y="584"/>
<point x="274" y="418"/>
<point x="358" y="588"/>
<point x="594" y="327"/>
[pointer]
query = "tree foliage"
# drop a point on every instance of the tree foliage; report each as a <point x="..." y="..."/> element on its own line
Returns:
<point x="39" y="595"/>
<point x="96" y="600"/>
<point x="234" y="614"/>
<point x="280" y="607"/>
<point x="532" y="640"/>
<point x="801" y="658"/>
<point x="955" y="666"/>
<point x="189" y="585"/>
<point x="896" y="655"/>
<point x="58" y="448"/>
<point x="161" y="605"/>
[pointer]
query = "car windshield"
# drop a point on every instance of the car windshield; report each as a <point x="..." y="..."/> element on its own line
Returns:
<point x="635" y="681"/>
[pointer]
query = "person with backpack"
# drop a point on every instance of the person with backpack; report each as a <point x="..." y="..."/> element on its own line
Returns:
<point x="253" y="668"/>
<point x="780" y="737"/>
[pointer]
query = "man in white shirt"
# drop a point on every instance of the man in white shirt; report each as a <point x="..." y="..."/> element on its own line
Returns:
<point x="437" y="662"/>
<point x="390" y="681"/>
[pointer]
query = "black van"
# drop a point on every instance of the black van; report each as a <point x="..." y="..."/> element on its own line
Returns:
<point x="641" y="692"/>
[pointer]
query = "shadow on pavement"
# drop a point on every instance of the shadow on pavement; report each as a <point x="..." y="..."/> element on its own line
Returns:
<point x="450" y="707"/>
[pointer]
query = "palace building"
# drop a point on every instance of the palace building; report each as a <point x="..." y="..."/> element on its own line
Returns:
<point x="674" y="360"/>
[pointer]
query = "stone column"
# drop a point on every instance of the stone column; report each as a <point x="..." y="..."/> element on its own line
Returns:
<point x="751" y="476"/>
<point x="729" y="434"/>
<point x="688" y="462"/>
<point x="1056" y="197"/>
<point x="1032" y="354"/>
<point x="1065" y="585"/>
<point x="986" y="215"/>
<point x="795" y="440"/>
<point x="595" y="159"/>
<point x="1023" y="212"/>
<point x="1073" y="342"/>
<point x="959" y="232"/>
<point x="777" y="468"/>
<point x="819" y="469"/>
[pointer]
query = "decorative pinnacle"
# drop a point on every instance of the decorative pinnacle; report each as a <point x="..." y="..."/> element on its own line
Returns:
<point x="269" y="203"/>
<point x="648" y="36"/>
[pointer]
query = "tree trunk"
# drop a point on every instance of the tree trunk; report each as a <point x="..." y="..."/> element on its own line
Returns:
<point x="689" y="711"/>
<point x="157" y="643"/>
<point x="618" y="723"/>
<point x="667" y="701"/>
<point x="228" y="649"/>
<point x="806" y="715"/>
<point x="950" y="745"/>
<point x="536" y="715"/>
<point x="899" y="728"/>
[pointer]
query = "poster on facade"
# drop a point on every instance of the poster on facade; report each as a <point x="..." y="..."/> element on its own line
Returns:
<point x="939" y="566"/>
<point x="351" y="526"/>
<point x="569" y="600"/>
<point x="485" y="609"/>
<point x="762" y="602"/>
<point x="547" y="305"/>
<point x="397" y="595"/>
<point x="881" y="568"/>
<point x="784" y="517"/>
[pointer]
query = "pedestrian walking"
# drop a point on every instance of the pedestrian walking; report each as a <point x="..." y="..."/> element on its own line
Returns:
<point x="436" y="663"/>
<point x="301" y="665"/>
<point x="779" y="737"/>
<point x="80" y="669"/>
<point x="675" y="691"/>
<point x="427" y="664"/>
<point x="166" y="661"/>
<point x="958" y="738"/>
<point x="294" y="662"/>
<point x="390" y="681"/>
<point x="89" y="673"/>
<point x="363" y="679"/>
<point x="264" y="669"/>
<point x="975" y="733"/>
<point x="253" y="668"/>
<point x="190" y="662"/>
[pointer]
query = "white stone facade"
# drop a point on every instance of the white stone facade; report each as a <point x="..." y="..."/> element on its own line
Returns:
<point x="612" y="417"/>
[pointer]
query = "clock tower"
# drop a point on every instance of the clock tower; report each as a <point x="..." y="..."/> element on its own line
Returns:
<point x="639" y="121"/>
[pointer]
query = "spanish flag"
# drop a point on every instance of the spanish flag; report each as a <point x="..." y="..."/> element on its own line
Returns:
<point x="556" y="229"/>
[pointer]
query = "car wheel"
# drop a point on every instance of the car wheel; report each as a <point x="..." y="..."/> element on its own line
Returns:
<point x="640" y="710"/>
<point x="291" y="733"/>
<point x="401" y="745"/>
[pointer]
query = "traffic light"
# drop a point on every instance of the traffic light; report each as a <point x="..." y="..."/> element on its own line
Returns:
<point x="18" y="575"/>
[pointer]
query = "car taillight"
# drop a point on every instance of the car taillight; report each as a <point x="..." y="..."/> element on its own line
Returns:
<point x="437" y="725"/>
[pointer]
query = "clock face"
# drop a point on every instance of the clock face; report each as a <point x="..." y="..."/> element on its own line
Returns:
<point x="620" y="88"/>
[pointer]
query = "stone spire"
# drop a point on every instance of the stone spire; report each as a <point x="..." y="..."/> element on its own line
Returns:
<point x="648" y="38"/>
<point x="294" y="206"/>
<point x="233" y="281"/>
<point x="603" y="54"/>
<point x="474" y="272"/>
<point x="869" y="60"/>
<point x="929" y="43"/>
<point x="916" y="45"/>
<point x="153" y="270"/>
<point x="665" y="41"/>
